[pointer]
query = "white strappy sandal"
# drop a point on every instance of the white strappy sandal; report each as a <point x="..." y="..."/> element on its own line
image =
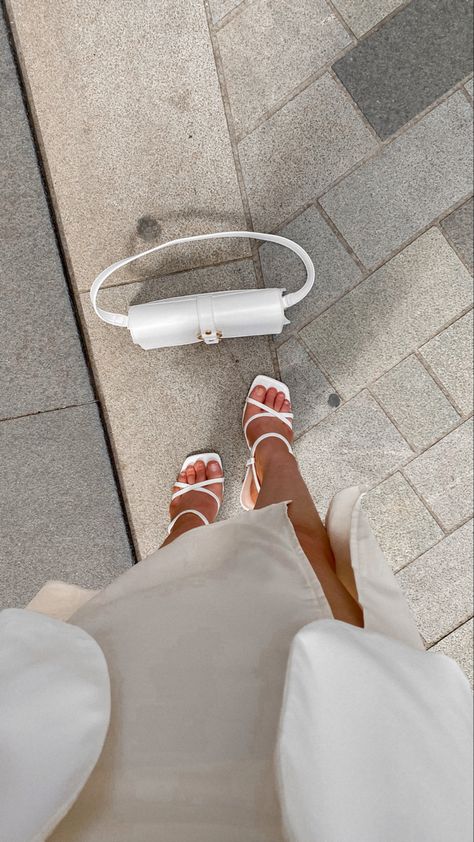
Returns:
<point x="267" y="382"/>
<point x="184" y="488"/>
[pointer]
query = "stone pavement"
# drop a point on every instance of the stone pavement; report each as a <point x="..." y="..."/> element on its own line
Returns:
<point x="344" y="124"/>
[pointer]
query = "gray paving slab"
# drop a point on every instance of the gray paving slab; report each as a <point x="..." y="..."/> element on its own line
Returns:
<point x="357" y="445"/>
<point x="410" y="61"/>
<point x="60" y="514"/>
<point x="402" y="524"/>
<point x="390" y="314"/>
<point x="42" y="358"/>
<point x="438" y="585"/>
<point x="221" y="8"/>
<point x="132" y="122"/>
<point x="415" y="403"/>
<point x="362" y="15"/>
<point x="295" y="155"/>
<point x="292" y="41"/>
<point x="449" y="355"/>
<point x="312" y="396"/>
<point x="459" y="229"/>
<point x="415" y="179"/>
<point x="458" y="646"/>
<point x="336" y="271"/>
<point x="443" y="477"/>
<point x="164" y="404"/>
<point x="470" y="87"/>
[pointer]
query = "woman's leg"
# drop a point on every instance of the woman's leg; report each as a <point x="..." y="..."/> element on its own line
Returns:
<point x="280" y="480"/>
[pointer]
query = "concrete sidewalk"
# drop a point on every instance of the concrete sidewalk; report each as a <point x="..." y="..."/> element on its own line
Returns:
<point x="346" y="125"/>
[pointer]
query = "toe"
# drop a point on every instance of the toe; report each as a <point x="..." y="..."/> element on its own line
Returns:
<point x="190" y="475"/>
<point x="214" y="470"/>
<point x="270" y="397"/>
<point x="200" y="469"/>
<point x="258" y="393"/>
<point x="279" y="401"/>
<point x="286" y="406"/>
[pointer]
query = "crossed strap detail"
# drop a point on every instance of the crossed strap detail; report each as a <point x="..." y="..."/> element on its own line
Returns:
<point x="268" y="412"/>
<point x="184" y="488"/>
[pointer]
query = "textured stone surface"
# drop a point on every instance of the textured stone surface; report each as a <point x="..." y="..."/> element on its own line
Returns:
<point x="292" y="41"/>
<point x="390" y="314"/>
<point x="449" y="355"/>
<point x="42" y="361"/>
<point x="415" y="403"/>
<point x="438" y="585"/>
<point x="458" y="645"/>
<point x="312" y="396"/>
<point x="415" y="179"/>
<point x="60" y="517"/>
<point x="336" y="271"/>
<point x="220" y="8"/>
<point x="300" y="151"/>
<point x="362" y="15"/>
<point x="459" y="229"/>
<point x="409" y="62"/>
<point x="357" y="445"/>
<point x="132" y="120"/>
<point x="470" y="87"/>
<point x="443" y="476"/>
<point x="403" y="525"/>
<point x="164" y="404"/>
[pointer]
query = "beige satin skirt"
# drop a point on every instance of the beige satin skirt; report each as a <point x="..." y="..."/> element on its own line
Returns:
<point x="196" y="639"/>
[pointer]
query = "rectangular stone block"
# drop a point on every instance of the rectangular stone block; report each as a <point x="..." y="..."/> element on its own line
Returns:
<point x="438" y="585"/>
<point x="295" y="155"/>
<point x="336" y="271"/>
<point x="402" y="524"/>
<point x="443" y="477"/>
<point x="42" y="362"/>
<point x="60" y="516"/>
<point x="133" y="128"/>
<point x="458" y="228"/>
<point x="362" y="15"/>
<point x="449" y="355"/>
<point x="356" y="445"/>
<point x="409" y="62"/>
<point x="415" y="403"/>
<point x="390" y="314"/>
<point x="164" y="404"/>
<point x="387" y="200"/>
<point x="312" y="396"/>
<point x="292" y="41"/>
<point x="458" y="646"/>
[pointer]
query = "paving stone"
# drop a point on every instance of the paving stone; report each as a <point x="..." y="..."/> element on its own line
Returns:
<point x="362" y="15"/>
<point x="443" y="477"/>
<point x="415" y="403"/>
<point x="390" y="313"/>
<point x="413" y="180"/>
<point x="459" y="229"/>
<point x="43" y="364"/>
<point x="292" y="41"/>
<point x="295" y="155"/>
<point x="357" y="445"/>
<point x="336" y="271"/>
<point x="470" y="87"/>
<point x="59" y="511"/>
<point x="312" y="396"/>
<point x="221" y="8"/>
<point x="134" y="132"/>
<point x="449" y="355"/>
<point x="458" y="646"/>
<point x="403" y="525"/>
<point x="438" y="585"/>
<point x="410" y="61"/>
<point x="167" y="403"/>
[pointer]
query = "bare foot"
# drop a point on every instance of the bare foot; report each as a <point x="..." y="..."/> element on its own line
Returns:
<point x="196" y="499"/>
<point x="269" y="448"/>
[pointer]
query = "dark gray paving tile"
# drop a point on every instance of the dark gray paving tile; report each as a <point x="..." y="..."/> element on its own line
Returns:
<point x="459" y="229"/>
<point x="312" y="396"/>
<point x="60" y="516"/>
<point x="417" y="56"/>
<point x="41" y="353"/>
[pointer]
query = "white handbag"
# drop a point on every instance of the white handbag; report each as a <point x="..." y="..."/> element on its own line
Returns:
<point x="207" y="317"/>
